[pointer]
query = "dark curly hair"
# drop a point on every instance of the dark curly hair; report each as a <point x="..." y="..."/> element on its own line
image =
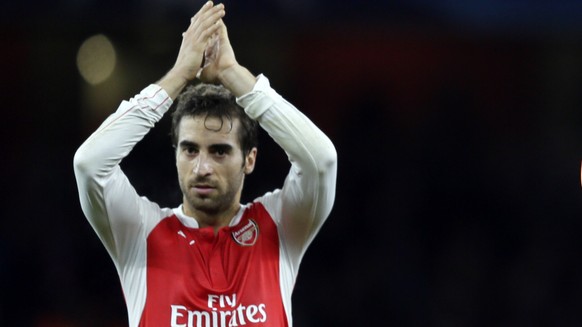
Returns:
<point x="214" y="101"/>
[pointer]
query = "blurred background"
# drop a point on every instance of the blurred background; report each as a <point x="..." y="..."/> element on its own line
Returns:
<point x="458" y="126"/>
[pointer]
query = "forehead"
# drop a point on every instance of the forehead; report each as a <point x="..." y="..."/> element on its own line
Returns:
<point x="201" y="129"/>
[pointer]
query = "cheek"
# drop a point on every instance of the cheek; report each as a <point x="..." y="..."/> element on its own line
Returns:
<point x="230" y="172"/>
<point x="182" y="166"/>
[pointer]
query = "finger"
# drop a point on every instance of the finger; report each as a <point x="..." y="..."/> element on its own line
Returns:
<point x="208" y="5"/>
<point x="208" y="26"/>
<point x="202" y="11"/>
<point x="209" y="17"/>
<point x="207" y="10"/>
<point x="222" y="31"/>
<point x="205" y="20"/>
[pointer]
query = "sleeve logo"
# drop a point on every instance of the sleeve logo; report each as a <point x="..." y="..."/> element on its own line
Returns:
<point x="247" y="235"/>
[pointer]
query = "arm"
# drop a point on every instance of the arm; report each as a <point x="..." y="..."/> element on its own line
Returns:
<point x="308" y="193"/>
<point x="106" y="196"/>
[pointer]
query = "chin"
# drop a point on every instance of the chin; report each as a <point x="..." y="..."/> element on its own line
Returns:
<point x="205" y="205"/>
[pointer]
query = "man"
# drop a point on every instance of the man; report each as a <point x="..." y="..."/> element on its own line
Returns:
<point x="211" y="261"/>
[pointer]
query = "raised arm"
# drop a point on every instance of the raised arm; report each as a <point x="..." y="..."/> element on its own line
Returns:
<point x="107" y="198"/>
<point x="307" y="196"/>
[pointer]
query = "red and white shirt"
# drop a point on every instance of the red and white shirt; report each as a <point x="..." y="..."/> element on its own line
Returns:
<point x="174" y="273"/>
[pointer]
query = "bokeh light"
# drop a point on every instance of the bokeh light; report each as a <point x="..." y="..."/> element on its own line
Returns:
<point x="96" y="59"/>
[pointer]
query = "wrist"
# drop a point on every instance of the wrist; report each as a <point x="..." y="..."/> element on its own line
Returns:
<point x="173" y="83"/>
<point x="237" y="79"/>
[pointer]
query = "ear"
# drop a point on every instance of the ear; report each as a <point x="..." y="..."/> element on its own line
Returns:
<point x="250" y="160"/>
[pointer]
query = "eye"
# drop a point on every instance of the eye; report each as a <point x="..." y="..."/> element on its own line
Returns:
<point x="191" y="150"/>
<point x="220" y="151"/>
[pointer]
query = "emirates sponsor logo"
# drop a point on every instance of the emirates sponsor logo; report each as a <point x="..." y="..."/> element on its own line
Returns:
<point x="223" y="311"/>
<point x="247" y="235"/>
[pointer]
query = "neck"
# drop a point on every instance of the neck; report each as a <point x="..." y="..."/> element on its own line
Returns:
<point x="211" y="219"/>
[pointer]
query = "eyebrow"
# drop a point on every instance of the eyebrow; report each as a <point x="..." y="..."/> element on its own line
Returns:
<point x="187" y="144"/>
<point x="219" y="146"/>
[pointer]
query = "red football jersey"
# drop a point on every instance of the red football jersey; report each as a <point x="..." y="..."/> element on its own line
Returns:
<point x="198" y="278"/>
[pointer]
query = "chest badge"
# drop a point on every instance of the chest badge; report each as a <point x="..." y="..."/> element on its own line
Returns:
<point x="246" y="235"/>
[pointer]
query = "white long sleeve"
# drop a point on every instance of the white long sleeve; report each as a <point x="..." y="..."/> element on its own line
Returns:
<point x="308" y="193"/>
<point x="105" y="194"/>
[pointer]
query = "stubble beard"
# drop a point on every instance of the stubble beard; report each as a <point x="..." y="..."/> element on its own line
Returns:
<point x="214" y="204"/>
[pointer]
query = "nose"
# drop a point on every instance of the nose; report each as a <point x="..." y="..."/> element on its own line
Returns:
<point x="202" y="165"/>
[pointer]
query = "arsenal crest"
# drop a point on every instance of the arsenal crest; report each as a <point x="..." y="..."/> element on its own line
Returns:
<point x="247" y="235"/>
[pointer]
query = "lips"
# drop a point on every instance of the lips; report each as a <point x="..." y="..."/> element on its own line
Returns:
<point x="203" y="189"/>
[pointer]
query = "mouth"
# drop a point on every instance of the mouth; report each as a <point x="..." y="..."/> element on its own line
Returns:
<point x="203" y="189"/>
